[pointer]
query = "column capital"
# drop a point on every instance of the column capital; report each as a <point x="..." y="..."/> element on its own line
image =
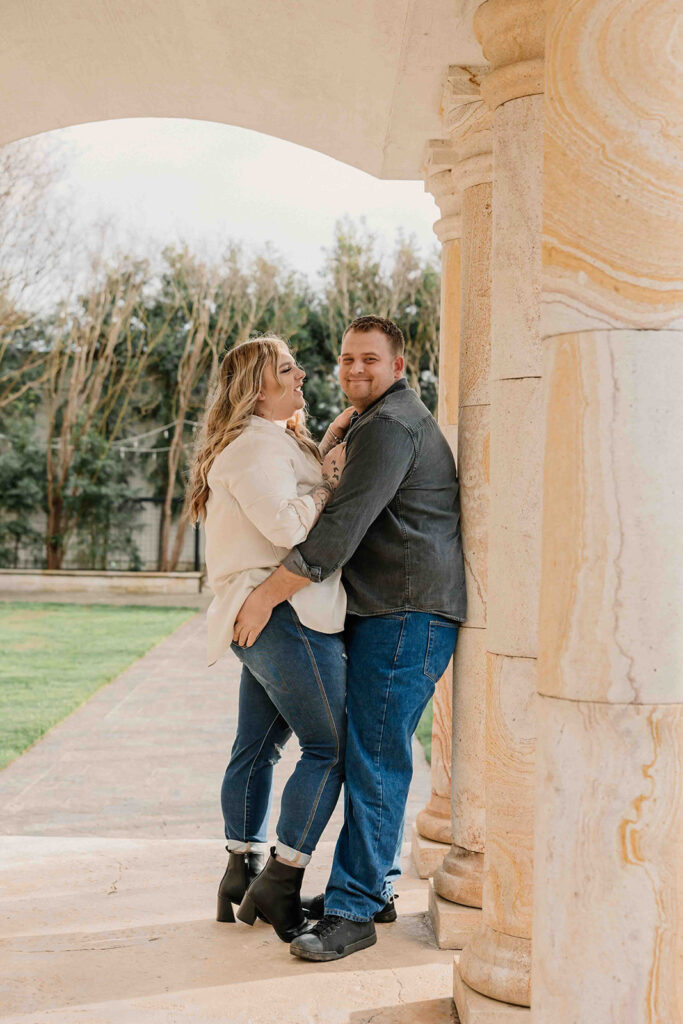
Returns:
<point x="512" y="35"/>
<point x="465" y="156"/>
<point x="441" y="182"/>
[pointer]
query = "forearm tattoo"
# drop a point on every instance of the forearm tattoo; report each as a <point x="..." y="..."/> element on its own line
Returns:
<point x="322" y="494"/>
<point x="329" y="441"/>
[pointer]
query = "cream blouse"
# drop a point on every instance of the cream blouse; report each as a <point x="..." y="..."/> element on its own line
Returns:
<point x="259" y="508"/>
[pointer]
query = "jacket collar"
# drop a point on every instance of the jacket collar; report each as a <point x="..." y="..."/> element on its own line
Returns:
<point x="398" y="385"/>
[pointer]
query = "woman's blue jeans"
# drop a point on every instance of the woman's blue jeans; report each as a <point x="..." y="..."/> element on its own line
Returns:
<point x="293" y="680"/>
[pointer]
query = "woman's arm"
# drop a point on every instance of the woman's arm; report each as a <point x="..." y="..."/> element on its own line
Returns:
<point x="334" y="434"/>
<point x="263" y="481"/>
<point x="256" y="610"/>
<point x="333" y="464"/>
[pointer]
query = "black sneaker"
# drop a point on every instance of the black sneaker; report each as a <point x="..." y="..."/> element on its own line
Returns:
<point x="314" y="908"/>
<point x="334" y="937"/>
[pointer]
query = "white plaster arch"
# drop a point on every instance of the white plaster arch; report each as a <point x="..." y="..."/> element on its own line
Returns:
<point x="359" y="80"/>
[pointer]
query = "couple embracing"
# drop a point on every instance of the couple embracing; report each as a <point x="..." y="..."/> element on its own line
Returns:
<point x="339" y="584"/>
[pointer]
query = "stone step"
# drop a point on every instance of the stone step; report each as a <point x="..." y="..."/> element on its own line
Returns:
<point x="105" y="930"/>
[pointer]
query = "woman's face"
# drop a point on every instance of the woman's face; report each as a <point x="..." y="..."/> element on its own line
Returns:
<point x="280" y="399"/>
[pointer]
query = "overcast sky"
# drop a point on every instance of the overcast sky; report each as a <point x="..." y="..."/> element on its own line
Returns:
<point x="173" y="180"/>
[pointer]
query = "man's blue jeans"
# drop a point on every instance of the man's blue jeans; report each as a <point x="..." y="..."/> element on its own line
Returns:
<point x="293" y="680"/>
<point x="394" y="663"/>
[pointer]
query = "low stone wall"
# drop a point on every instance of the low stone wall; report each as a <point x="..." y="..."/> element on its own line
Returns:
<point x="41" y="581"/>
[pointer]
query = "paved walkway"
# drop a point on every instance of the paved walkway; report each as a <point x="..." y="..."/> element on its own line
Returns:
<point x="110" y="853"/>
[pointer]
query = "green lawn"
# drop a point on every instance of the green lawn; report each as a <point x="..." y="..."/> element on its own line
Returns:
<point x="54" y="656"/>
<point x="424" y="731"/>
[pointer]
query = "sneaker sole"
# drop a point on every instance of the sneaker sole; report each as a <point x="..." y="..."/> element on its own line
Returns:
<point x="354" y="947"/>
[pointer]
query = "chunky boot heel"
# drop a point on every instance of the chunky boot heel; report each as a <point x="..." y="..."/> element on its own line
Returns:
<point x="247" y="910"/>
<point x="276" y="896"/>
<point x="242" y="869"/>
<point x="225" y="914"/>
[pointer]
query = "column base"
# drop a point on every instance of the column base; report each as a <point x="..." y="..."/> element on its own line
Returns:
<point x="473" y="1008"/>
<point x="460" y="877"/>
<point x="498" y="965"/>
<point x="434" y="820"/>
<point x="427" y="855"/>
<point x="453" y="923"/>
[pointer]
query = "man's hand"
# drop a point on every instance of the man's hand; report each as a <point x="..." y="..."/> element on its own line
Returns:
<point x="252" y="618"/>
<point x="254" y="615"/>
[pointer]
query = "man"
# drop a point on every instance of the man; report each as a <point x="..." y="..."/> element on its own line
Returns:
<point x="394" y="525"/>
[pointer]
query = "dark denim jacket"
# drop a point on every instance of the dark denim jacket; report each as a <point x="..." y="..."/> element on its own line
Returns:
<point x="394" y="521"/>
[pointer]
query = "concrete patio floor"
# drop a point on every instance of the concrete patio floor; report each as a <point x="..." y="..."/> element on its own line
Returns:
<point x="110" y="853"/>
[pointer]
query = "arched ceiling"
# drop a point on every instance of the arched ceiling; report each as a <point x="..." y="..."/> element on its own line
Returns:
<point x="360" y="80"/>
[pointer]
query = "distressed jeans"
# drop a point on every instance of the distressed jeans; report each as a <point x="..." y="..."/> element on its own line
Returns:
<point x="394" y="663"/>
<point x="293" y="680"/>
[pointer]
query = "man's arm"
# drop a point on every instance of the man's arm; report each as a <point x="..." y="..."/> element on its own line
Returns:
<point x="254" y="614"/>
<point x="378" y="458"/>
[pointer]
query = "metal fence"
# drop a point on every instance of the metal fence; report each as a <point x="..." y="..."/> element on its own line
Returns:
<point x="145" y="517"/>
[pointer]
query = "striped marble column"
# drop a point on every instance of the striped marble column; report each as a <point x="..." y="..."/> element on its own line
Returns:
<point x="496" y="962"/>
<point x="608" y="913"/>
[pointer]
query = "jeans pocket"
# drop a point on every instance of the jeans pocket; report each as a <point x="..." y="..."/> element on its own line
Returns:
<point x="441" y="642"/>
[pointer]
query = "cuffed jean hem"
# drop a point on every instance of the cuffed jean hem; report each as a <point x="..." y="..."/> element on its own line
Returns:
<point x="331" y="912"/>
<point x="294" y="857"/>
<point x="238" y="846"/>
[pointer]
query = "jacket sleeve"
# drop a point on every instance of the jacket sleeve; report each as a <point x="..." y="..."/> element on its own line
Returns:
<point x="378" y="458"/>
<point x="264" y="483"/>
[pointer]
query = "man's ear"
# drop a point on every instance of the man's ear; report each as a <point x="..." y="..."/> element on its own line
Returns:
<point x="399" y="367"/>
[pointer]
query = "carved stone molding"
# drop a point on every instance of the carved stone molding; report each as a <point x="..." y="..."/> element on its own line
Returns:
<point x="464" y="157"/>
<point x="512" y="35"/>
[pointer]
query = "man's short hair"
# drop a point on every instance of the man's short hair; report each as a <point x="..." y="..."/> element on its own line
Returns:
<point x="392" y="331"/>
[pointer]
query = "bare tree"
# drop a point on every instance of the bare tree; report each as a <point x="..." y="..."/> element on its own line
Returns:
<point x="94" y="363"/>
<point x="404" y="288"/>
<point x="33" y="224"/>
<point x="220" y="304"/>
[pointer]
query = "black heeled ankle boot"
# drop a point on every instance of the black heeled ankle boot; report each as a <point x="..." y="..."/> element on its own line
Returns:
<point x="276" y="896"/>
<point x="241" y="871"/>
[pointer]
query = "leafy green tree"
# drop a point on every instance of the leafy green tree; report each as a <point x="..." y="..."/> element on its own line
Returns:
<point x="101" y="502"/>
<point x="22" y="486"/>
<point x="404" y="288"/>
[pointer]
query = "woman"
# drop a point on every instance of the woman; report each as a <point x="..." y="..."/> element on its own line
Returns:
<point x="260" y="482"/>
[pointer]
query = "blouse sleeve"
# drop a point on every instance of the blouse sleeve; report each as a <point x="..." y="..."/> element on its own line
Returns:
<point x="264" y="484"/>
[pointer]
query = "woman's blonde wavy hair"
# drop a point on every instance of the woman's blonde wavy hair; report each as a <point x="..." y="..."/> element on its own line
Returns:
<point x="239" y="381"/>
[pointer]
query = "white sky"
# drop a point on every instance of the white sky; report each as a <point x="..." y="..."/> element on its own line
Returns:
<point x="172" y="180"/>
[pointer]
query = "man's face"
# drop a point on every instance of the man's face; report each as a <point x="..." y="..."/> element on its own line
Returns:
<point x="367" y="367"/>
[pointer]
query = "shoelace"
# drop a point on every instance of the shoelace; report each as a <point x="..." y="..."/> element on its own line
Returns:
<point x="327" y="926"/>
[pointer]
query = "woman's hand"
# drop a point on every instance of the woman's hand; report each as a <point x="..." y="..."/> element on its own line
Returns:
<point x="333" y="465"/>
<point x="341" y="423"/>
<point x="252" y="619"/>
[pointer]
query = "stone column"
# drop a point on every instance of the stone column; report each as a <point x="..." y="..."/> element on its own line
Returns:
<point x="608" y="915"/>
<point x="431" y="832"/>
<point x="497" y="960"/>
<point x="458" y="173"/>
<point x="457" y="883"/>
